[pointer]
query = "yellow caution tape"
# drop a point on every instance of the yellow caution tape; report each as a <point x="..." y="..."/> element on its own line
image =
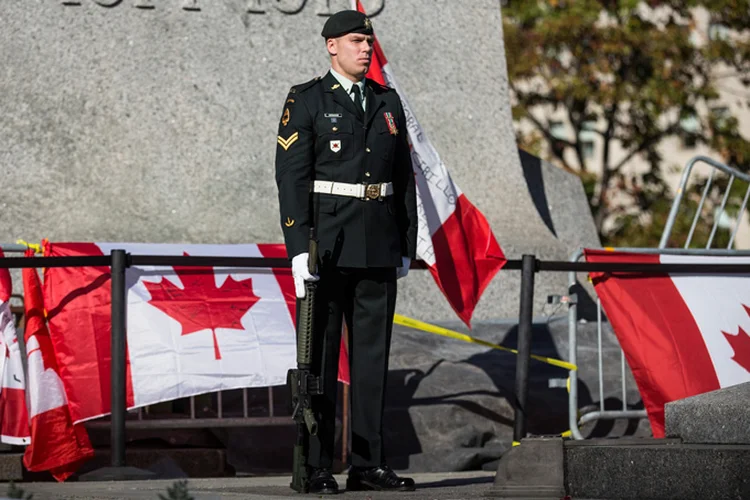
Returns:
<point x="36" y="247"/>
<point x="426" y="327"/>
<point x="564" y="435"/>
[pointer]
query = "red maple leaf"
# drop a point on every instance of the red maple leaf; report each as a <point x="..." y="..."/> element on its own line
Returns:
<point x="741" y="345"/>
<point x="199" y="305"/>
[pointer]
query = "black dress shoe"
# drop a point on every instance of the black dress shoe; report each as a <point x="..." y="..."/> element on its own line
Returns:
<point x="377" y="478"/>
<point x="322" y="482"/>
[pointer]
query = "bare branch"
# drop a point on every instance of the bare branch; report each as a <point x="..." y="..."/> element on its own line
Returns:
<point x="651" y="141"/>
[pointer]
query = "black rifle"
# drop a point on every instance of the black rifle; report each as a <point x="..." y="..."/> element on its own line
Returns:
<point x="302" y="384"/>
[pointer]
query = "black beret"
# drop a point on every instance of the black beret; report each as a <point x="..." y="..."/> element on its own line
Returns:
<point x="346" y="21"/>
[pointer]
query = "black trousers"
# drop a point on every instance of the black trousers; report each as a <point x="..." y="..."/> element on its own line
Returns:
<point x="366" y="300"/>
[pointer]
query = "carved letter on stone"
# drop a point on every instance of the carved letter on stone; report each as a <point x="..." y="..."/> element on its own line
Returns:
<point x="107" y="3"/>
<point x="327" y="9"/>
<point x="144" y="4"/>
<point x="374" y="7"/>
<point x="255" y="7"/>
<point x="330" y="7"/>
<point x="290" y="6"/>
<point x="71" y="2"/>
<point x="190" y="5"/>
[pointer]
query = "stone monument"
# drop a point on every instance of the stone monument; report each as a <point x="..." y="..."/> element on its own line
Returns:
<point x="155" y="121"/>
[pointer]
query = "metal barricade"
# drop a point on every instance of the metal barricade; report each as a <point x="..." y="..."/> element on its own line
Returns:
<point x="146" y="418"/>
<point x="712" y="181"/>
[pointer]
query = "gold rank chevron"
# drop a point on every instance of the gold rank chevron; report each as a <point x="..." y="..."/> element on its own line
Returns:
<point x="286" y="143"/>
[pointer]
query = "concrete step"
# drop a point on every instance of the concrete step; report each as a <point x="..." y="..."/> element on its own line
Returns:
<point x="624" y="469"/>
<point x="720" y="417"/>
<point x="656" y="468"/>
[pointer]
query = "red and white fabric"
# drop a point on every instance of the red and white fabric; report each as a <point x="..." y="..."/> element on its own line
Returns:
<point x="189" y="330"/>
<point x="454" y="238"/>
<point x="57" y="445"/>
<point x="682" y="334"/>
<point x="14" y="426"/>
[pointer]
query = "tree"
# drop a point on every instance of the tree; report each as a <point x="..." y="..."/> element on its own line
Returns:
<point x="631" y="72"/>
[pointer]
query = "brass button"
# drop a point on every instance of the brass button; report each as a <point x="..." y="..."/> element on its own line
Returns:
<point x="367" y="174"/>
<point x="368" y="150"/>
<point x="335" y="129"/>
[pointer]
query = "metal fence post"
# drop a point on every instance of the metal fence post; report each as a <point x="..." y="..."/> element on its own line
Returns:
<point x="118" y="471"/>
<point x="119" y="410"/>
<point x="528" y="268"/>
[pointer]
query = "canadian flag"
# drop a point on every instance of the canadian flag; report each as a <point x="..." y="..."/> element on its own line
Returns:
<point x="57" y="445"/>
<point x="453" y="237"/>
<point x="14" y="427"/>
<point x="189" y="330"/>
<point x="682" y="334"/>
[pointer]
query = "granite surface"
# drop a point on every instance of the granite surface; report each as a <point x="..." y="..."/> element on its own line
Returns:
<point x="644" y="469"/>
<point x="146" y="121"/>
<point x="719" y="417"/>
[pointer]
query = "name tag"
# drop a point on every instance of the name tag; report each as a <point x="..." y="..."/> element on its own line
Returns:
<point x="333" y="115"/>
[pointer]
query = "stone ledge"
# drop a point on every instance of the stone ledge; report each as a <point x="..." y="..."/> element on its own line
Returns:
<point x="656" y="470"/>
<point x="532" y="471"/>
<point x="719" y="417"/>
<point x="11" y="467"/>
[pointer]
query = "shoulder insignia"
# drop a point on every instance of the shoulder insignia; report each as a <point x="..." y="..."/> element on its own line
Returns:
<point x="290" y="101"/>
<point x="287" y="143"/>
<point x="285" y="119"/>
<point x="377" y="87"/>
<point x="289" y="222"/>
<point x="304" y="86"/>
<point x="335" y="86"/>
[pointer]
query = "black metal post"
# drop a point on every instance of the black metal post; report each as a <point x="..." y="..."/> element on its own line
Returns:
<point x="528" y="268"/>
<point x="117" y="471"/>
<point x="118" y="358"/>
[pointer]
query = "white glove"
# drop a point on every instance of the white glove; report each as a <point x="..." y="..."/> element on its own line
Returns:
<point x="301" y="273"/>
<point x="402" y="271"/>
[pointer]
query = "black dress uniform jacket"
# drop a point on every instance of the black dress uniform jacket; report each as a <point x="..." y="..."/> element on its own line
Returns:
<point x="323" y="137"/>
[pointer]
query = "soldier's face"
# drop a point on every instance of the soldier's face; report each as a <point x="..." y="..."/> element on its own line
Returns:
<point x="352" y="53"/>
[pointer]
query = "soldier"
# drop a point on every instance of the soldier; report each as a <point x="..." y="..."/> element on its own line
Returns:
<point x="343" y="138"/>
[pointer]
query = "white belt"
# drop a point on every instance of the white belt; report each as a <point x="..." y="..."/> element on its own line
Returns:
<point x="361" y="191"/>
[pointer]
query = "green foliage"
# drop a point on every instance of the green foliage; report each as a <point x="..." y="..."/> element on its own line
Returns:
<point x="645" y="231"/>
<point x="178" y="491"/>
<point x="629" y="72"/>
<point x="16" y="492"/>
